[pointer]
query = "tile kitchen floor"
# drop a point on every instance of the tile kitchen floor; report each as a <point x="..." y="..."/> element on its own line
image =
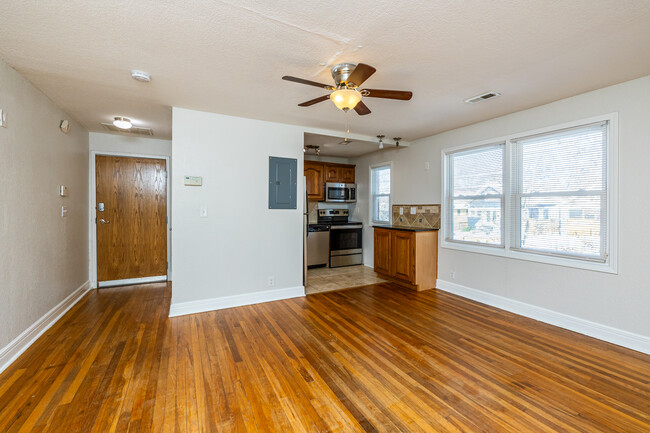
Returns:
<point x="327" y="279"/>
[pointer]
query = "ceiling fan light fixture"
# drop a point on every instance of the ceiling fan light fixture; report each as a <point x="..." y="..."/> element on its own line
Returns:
<point x="122" y="123"/>
<point x="345" y="99"/>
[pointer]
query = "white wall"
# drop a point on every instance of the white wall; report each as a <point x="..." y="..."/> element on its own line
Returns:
<point x="620" y="301"/>
<point x="241" y="243"/>
<point x="124" y="145"/>
<point x="43" y="257"/>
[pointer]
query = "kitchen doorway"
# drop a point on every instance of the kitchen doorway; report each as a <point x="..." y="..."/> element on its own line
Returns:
<point x="131" y="205"/>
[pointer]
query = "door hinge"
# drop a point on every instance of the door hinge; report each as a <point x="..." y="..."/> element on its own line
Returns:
<point x="167" y="219"/>
<point x="167" y="265"/>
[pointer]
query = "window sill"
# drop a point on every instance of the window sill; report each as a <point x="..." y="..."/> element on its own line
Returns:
<point x="607" y="267"/>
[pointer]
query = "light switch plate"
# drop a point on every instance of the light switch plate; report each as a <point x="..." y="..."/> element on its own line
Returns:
<point x="193" y="181"/>
<point x="63" y="191"/>
<point x="401" y="211"/>
<point x="414" y="210"/>
<point x="3" y="118"/>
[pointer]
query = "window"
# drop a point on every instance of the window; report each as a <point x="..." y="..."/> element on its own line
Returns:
<point x="564" y="174"/>
<point x="475" y="196"/>
<point x="380" y="193"/>
<point x="544" y="196"/>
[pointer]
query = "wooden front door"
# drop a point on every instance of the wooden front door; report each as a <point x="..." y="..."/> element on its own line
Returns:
<point x="131" y="217"/>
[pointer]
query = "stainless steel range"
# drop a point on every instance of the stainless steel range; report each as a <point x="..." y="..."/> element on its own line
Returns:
<point x="346" y="247"/>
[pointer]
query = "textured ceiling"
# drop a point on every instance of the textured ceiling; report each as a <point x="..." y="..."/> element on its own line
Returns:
<point x="228" y="57"/>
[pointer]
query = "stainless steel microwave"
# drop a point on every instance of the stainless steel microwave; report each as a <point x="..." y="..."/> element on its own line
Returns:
<point x="340" y="192"/>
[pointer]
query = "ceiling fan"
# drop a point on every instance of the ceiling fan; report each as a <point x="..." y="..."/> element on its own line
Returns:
<point x="346" y="93"/>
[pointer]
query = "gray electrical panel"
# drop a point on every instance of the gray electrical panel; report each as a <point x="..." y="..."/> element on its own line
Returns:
<point x="283" y="182"/>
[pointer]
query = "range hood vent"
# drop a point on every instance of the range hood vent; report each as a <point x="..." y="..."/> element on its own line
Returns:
<point x="132" y="131"/>
<point x="483" y="97"/>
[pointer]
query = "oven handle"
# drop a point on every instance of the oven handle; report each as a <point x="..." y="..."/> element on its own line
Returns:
<point x="334" y="227"/>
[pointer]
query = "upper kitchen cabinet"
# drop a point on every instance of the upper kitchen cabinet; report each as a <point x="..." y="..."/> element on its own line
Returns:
<point x="347" y="173"/>
<point x="332" y="173"/>
<point x="318" y="173"/>
<point x="315" y="176"/>
<point x="339" y="173"/>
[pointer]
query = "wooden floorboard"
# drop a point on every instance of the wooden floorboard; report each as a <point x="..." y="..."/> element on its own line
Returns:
<point x="373" y="359"/>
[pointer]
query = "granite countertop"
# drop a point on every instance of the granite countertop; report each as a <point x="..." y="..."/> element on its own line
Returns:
<point x="406" y="228"/>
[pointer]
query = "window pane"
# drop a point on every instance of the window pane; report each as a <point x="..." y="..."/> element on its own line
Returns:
<point x="478" y="172"/>
<point x="564" y="225"/>
<point x="477" y="220"/>
<point x="382" y="211"/>
<point x="381" y="180"/>
<point x="566" y="161"/>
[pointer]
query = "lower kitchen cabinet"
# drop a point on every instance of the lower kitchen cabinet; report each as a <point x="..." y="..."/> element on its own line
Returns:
<point x="408" y="258"/>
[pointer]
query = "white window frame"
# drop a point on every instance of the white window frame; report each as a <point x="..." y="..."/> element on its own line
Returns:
<point x="371" y="197"/>
<point x="448" y="199"/>
<point x="611" y="263"/>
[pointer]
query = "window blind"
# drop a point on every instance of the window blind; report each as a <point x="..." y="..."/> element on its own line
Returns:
<point x="559" y="193"/>
<point x="475" y="196"/>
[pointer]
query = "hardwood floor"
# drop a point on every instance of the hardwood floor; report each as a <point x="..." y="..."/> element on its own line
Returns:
<point x="374" y="359"/>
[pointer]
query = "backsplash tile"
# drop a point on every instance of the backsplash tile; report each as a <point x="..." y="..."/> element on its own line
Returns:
<point x="426" y="215"/>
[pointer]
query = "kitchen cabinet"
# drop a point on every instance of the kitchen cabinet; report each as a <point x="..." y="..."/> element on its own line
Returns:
<point x="332" y="173"/>
<point x="318" y="173"/>
<point x="315" y="177"/>
<point x="405" y="257"/>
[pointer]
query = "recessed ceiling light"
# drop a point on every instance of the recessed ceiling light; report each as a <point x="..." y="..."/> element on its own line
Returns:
<point x="122" y="123"/>
<point x="140" y="76"/>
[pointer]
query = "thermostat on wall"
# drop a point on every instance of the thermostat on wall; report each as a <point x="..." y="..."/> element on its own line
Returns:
<point x="193" y="180"/>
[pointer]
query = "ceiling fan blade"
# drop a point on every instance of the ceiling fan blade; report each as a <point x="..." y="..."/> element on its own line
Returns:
<point x="360" y="74"/>
<point x="388" y="94"/>
<point x="314" y="101"/>
<point x="361" y="109"/>
<point x="307" y="82"/>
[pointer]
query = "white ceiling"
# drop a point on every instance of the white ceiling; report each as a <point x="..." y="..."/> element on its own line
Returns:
<point x="228" y="56"/>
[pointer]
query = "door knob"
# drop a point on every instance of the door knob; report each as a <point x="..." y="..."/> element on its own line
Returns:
<point x="102" y="221"/>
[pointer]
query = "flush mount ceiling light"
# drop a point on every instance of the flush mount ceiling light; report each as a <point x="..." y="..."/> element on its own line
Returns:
<point x="122" y="122"/>
<point x="141" y="76"/>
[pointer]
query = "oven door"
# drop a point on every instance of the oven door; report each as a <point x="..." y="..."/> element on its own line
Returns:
<point x="336" y="192"/>
<point x="345" y="240"/>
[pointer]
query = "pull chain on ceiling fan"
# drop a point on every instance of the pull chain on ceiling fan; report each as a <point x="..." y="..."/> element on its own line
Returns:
<point x="346" y="94"/>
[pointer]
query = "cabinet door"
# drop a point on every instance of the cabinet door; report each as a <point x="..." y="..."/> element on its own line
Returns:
<point x="347" y="174"/>
<point x="332" y="173"/>
<point x="382" y="251"/>
<point x="315" y="180"/>
<point x="403" y="255"/>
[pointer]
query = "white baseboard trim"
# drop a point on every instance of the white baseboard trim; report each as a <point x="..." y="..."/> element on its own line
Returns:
<point x="128" y="281"/>
<point x="212" y="304"/>
<point x="630" y="340"/>
<point x="13" y="350"/>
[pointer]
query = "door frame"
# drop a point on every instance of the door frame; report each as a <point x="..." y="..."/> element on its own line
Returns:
<point x="92" y="226"/>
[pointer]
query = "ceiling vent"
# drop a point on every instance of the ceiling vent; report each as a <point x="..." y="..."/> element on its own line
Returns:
<point x="133" y="131"/>
<point x="483" y="97"/>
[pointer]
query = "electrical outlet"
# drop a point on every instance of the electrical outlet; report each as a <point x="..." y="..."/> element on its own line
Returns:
<point x="427" y="166"/>
<point x="64" y="211"/>
<point x="271" y="281"/>
<point x="452" y="274"/>
<point x="203" y="212"/>
<point x="3" y="118"/>
<point x="401" y="211"/>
